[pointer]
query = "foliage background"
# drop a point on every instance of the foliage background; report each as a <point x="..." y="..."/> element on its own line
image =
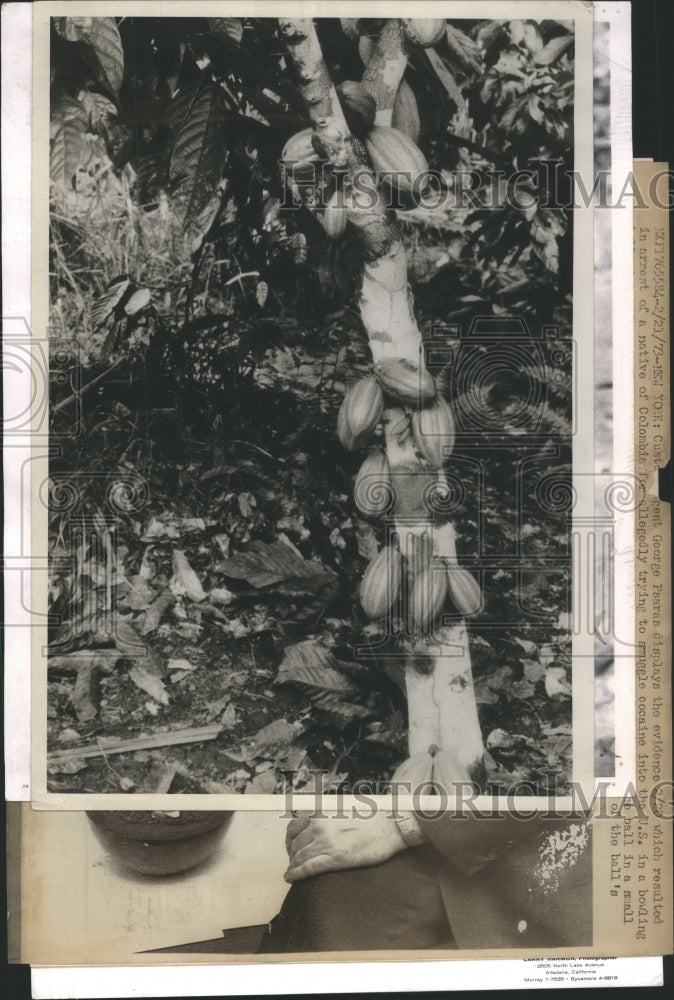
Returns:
<point x="202" y="341"/>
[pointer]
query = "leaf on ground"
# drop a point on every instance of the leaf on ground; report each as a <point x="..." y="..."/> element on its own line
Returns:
<point x="66" y="767"/>
<point x="140" y="594"/>
<point x="533" y="670"/>
<point x="184" y="580"/>
<point x="270" y="741"/>
<point x="178" y="664"/>
<point x="156" y="611"/>
<point x="216" y="707"/>
<point x="86" y="698"/>
<point x="132" y="647"/>
<point x="343" y="711"/>
<point x="276" y="565"/>
<point x="228" y="719"/>
<point x="149" y="683"/>
<point x="262" y="784"/>
<point x="160" y="779"/>
<point x="311" y="664"/>
<point x="556" y="682"/>
<point x="160" y="528"/>
<point x="221" y="595"/>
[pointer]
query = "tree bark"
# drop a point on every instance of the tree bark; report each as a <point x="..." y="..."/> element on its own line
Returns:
<point x="441" y="698"/>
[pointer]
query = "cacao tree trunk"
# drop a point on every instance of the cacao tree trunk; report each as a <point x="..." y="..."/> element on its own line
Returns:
<point x="441" y="699"/>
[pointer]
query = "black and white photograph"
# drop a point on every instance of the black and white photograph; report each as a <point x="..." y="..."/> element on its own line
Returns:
<point x="328" y="573"/>
<point x="320" y="316"/>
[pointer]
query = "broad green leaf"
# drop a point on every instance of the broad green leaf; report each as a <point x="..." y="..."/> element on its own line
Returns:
<point x="445" y="78"/>
<point x="553" y="50"/>
<point x="466" y="52"/>
<point x="98" y="107"/>
<point x="197" y="157"/>
<point x="68" y="129"/>
<point x="100" y="34"/>
<point x="227" y="27"/>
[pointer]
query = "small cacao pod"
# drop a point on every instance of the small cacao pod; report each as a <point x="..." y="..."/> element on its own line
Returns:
<point x="448" y="770"/>
<point x="350" y="27"/>
<point x="464" y="590"/>
<point x="416" y="771"/>
<point x="373" y="493"/>
<point x="360" y="412"/>
<point x="424" y="31"/>
<point x="380" y="585"/>
<point x="406" y="112"/>
<point x="434" y="431"/>
<point x="405" y="382"/>
<point x="359" y="107"/>
<point x="335" y="216"/>
<point x="398" y="160"/>
<point x="429" y="594"/>
<point x="300" y="158"/>
<point x="365" y="48"/>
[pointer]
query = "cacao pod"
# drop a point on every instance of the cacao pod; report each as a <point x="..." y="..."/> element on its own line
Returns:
<point x="464" y="590"/>
<point x="429" y="594"/>
<point x="373" y="493"/>
<point x="424" y="31"/>
<point x="405" y="382"/>
<point x="335" y="216"/>
<point x="360" y="413"/>
<point x="434" y="431"/>
<point x="392" y="152"/>
<point x="365" y="48"/>
<point x="359" y="107"/>
<point x="350" y="27"/>
<point x="380" y="585"/>
<point x="300" y="158"/>
<point x="416" y="771"/>
<point x="406" y="112"/>
<point x="448" y="769"/>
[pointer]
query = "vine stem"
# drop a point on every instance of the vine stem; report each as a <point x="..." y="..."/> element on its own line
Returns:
<point x="441" y="703"/>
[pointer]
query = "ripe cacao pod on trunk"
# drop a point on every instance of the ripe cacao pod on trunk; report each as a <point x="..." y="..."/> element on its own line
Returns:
<point x="434" y="431"/>
<point x="424" y="31"/>
<point x="360" y="413"/>
<point x="373" y="492"/>
<point x="448" y="770"/>
<point x="406" y="112"/>
<point x="300" y="158"/>
<point x="358" y="105"/>
<point x="433" y="766"/>
<point x="380" y="585"/>
<point x="416" y="771"/>
<point x="429" y="594"/>
<point x="405" y="382"/>
<point x="464" y="590"/>
<point x="398" y="160"/>
<point x="335" y="217"/>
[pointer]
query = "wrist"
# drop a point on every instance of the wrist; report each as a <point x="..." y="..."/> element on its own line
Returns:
<point x="409" y="829"/>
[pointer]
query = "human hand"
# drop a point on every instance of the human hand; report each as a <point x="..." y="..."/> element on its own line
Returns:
<point x="332" y="844"/>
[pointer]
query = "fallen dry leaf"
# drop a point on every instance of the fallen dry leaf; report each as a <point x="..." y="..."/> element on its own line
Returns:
<point x="184" y="580"/>
<point x="143" y="679"/>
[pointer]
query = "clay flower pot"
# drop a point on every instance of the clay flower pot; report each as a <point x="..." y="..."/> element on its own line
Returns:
<point x="154" y="843"/>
